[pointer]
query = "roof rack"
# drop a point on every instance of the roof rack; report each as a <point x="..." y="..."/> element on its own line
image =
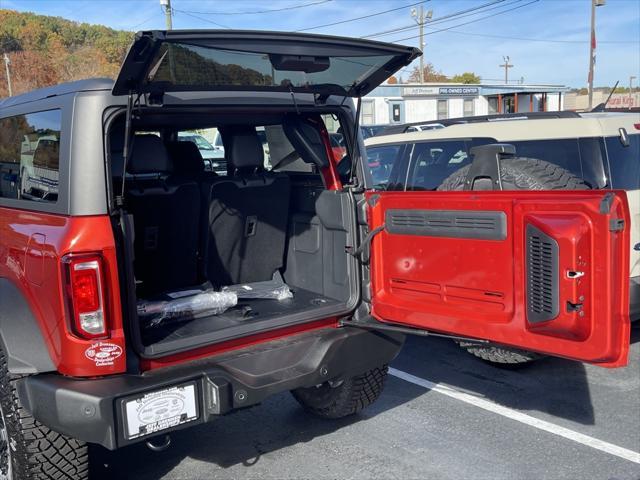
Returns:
<point x="402" y="128"/>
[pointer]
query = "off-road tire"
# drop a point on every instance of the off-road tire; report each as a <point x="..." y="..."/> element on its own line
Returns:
<point x="36" y="452"/>
<point x="518" y="173"/>
<point x="500" y="355"/>
<point x="344" y="398"/>
<point x="522" y="173"/>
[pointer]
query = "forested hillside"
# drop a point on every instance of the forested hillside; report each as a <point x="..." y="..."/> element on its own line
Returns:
<point x="48" y="50"/>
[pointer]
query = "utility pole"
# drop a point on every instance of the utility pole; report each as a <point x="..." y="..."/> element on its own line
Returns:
<point x="631" y="79"/>
<point x="506" y="65"/>
<point x="166" y="4"/>
<point x="7" y="62"/>
<point x="592" y="47"/>
<point x="421" y="18"/>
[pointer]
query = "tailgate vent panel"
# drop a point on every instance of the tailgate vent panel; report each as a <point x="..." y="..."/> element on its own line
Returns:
<point x="481" y="225"/>
<point x="542" y="276"/>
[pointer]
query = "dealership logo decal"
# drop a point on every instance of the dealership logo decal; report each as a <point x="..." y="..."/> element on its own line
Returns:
<point x="103" y="354"/>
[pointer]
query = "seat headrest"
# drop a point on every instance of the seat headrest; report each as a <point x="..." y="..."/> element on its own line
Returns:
<point x="149" y="155"/>
<point x="186" y="157"/>
<point x="243" y="148"/>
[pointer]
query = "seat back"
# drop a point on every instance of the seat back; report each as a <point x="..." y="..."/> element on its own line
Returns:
<point x="247" y="215"/>
<point x="166" y="213"/>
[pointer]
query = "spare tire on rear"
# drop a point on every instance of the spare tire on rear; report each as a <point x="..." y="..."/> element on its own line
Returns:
<point x="517" y="173"/>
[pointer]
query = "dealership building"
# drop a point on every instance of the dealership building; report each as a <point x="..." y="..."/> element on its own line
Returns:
<point x="407" y="103"/>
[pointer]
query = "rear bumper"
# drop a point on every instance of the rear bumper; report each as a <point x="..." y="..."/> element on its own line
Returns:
<point x="93" y="410"/>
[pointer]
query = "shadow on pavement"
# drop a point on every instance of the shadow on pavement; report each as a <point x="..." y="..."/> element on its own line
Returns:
<point x="551" y="385"/>
<point x="239" y="438"/>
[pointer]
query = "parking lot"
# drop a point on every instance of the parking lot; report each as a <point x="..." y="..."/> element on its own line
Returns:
<point x="444" y="414"/>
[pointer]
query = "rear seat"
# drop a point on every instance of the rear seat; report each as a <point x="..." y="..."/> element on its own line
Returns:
<point x="247" y="215"/>
<point x="166" y="212"/>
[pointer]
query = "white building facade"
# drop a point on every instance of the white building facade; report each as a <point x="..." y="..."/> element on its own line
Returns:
<point x="408" y="103"/>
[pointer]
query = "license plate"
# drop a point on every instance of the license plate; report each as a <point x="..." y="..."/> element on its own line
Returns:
<point x="160" y="410"/>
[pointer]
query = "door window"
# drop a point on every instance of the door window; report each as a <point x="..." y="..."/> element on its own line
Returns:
<point x="624" y="162"/>
<point x="30" y="156"/>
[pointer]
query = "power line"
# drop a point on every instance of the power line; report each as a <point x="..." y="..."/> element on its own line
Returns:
<point x="256" y="12"/>
<point x="449" y="17"/>
<point x="362" y="17"/>
<point x="537" y="39"/>
<point x="200" y="18"/>
<point x="467" y="23"/>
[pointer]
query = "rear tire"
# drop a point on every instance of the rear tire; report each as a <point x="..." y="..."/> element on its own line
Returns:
<point x="28" y="449"/>
<point x="344" y="398"/>
<point x="517" y="174"/>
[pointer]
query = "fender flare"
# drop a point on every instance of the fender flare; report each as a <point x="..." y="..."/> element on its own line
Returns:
<point x="24" y="346"/>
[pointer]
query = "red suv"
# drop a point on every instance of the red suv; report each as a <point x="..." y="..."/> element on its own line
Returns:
<point x="141" y="294"/>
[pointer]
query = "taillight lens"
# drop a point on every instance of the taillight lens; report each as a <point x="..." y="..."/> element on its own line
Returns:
<point x="85" y="290"/>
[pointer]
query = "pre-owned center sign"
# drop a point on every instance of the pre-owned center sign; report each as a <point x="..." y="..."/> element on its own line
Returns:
<point x="451" y="91"/>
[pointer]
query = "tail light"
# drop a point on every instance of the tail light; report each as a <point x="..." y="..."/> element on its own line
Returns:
<point x="86" y="295"/>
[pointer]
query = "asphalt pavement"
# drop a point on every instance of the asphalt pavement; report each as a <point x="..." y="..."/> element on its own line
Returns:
<point x="443" y="415"/>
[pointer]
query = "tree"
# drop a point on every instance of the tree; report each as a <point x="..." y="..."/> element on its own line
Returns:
<point x="466" y="77"/>
<point x="392" y="80"/>
<point x="430" y="74"/>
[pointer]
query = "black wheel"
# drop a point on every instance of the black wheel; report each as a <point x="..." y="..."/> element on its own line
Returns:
<point x="340" y="399"/>
<point x="517" y="174"/>
<point x="28" y="449"/>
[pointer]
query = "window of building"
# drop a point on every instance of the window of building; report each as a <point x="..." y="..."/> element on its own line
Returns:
<point x="368" y="116"/>
<point x="492" y="104"/>
<point x="443" y="109"/>
<point x="468" y="107"/>
<point x="624" y="162"/>
<point x="30" y="156"/>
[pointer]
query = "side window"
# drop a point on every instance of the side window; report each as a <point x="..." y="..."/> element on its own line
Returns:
<point x="30" y="156"/>
<point x="624" y="162"/>
<point x="380" y="160"/>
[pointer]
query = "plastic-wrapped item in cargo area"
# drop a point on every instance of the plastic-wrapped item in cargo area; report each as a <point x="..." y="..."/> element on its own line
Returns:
<point x="154" y="313"/>
<point x="274" y="289"/>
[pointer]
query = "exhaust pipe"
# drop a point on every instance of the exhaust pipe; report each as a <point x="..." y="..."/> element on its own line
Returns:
<point x="159" y="444"/>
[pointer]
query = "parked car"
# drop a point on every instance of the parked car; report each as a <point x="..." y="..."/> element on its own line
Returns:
<point x="371" y="130"/>
<point x="564" y="151"/>
<point x="151" y="295"/>
<point x="212" y="155"/>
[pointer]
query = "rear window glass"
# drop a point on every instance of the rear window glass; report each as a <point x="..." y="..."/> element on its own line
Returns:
<point x="30" y="156"/>
<point x="201" y="67"/>
<point x="624" y="162"/>
<point x="432" y="162"/>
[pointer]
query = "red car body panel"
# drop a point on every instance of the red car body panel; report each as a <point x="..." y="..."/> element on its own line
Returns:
<point x="31" y="250"/>
<point x="477" y="288"/>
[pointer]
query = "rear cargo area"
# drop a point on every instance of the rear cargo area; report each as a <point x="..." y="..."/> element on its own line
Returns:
<point x="202" y="251"/>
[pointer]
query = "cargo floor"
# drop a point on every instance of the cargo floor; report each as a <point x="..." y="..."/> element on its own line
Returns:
<point x="248" y="312"/>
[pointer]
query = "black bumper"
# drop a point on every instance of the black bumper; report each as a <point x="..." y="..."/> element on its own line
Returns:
<point x="92" y="410"/>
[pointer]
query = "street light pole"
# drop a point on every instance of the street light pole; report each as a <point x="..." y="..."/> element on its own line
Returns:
<point x="592" y="47"/>
<point x="7" y="62"/>
<point x="631" y="79"/>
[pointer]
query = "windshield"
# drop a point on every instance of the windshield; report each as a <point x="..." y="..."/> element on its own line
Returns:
<point x="199" y="140"/>
<point x="191" y="66"/>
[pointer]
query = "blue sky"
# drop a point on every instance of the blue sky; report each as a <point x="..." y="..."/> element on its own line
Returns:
<point x="461" y="48"/>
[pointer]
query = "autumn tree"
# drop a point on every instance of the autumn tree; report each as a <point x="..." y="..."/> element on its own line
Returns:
<point x="430" y="74"/>
<point x="392" y="80"/>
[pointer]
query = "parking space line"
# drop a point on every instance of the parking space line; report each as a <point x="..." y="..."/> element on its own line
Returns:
<point x="487" y="405"/>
